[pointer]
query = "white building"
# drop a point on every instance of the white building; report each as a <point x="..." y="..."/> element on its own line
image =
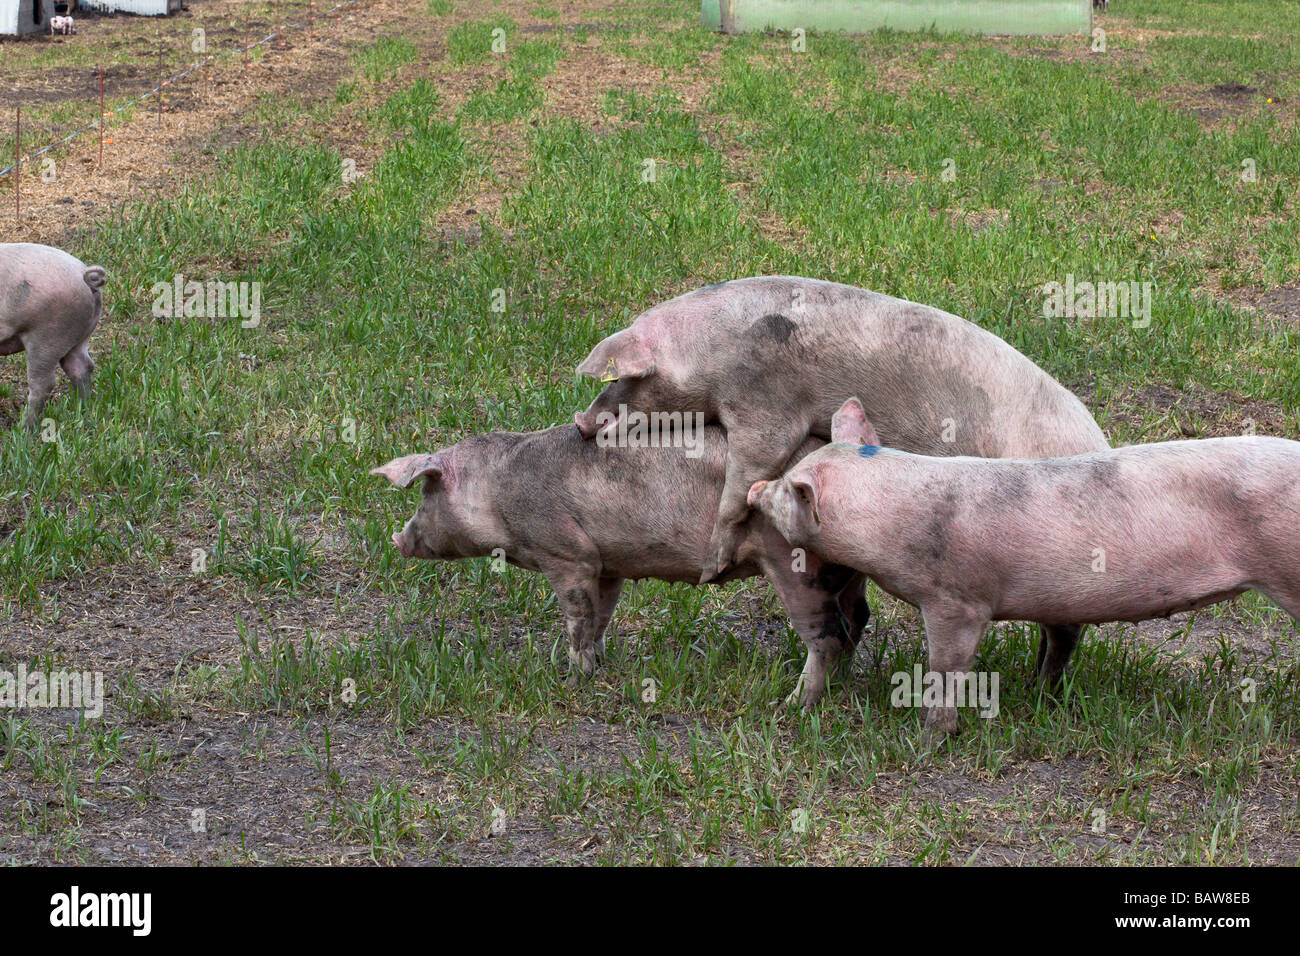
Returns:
<point x="148" y="8"/>
<point x="20" y="17"/>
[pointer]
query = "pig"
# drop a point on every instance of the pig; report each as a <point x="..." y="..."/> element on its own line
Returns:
<point x="63" y="25"/>
<point x="50" y="303"/>
<point x="1124" y="534"/>
<point x="588" y="517"/>
<point x="771" y="358"/>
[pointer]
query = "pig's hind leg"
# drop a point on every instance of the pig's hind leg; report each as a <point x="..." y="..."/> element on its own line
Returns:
<point x="1285" y="594"/>
<point x="79" y="367"/>
<point x="1056" y="642"/>
<point x="42" y="372"/>
<point x="608" y="591"/>
<point x="857" y="614"/>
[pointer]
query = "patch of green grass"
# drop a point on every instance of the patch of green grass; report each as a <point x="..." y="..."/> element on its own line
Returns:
<point x="272" y="553"/>
<point x="511" y="99"/>
<point x="534" y="59"/>
<point x="518" y="95"/>
<point x="476" y="40"/>
<point x="384" y="58"/>
<point x="386" y="819"/>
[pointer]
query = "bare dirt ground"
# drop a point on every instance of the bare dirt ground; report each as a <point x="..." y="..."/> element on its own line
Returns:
<point x="151" y="151"/>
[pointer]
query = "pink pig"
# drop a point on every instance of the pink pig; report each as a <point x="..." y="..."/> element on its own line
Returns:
<point x="50" y="303"/>
<point x="1124" y="534"/>
<point x="589" y="516"/>
<point x="771" y="358"/>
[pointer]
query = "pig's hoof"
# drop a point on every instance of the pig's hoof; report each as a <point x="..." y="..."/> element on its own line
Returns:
<point x="582" y="664"/>
<point x="716" y="571"/>
<point x="939" y="725"/>
<point x="579" y="676"/>
<point x="724" y="556"/>
<point x="933" y="739"/>
<point x="934" y="736"/>
<point x="1050" y="687"/>
<point x="801" y="698"/>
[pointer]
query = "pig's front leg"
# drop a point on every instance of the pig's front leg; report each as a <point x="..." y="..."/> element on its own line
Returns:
<point x="578" y="594"/>
<point x="757" y="446"/>
<point x="953" y="634"/>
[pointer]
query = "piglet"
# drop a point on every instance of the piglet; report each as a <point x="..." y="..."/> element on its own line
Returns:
<point x="1124" y="534"/>
<point x="589" y="516"/>
<point x="50" y="303"/>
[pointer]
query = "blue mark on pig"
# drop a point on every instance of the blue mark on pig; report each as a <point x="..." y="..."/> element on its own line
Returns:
<point x="866" y="451"/>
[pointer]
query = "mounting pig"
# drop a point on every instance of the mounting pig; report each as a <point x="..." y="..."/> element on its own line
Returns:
<point x="770" y="359"/>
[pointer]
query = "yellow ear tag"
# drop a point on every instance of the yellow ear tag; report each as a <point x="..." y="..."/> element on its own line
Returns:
<point x="611" y="372"/>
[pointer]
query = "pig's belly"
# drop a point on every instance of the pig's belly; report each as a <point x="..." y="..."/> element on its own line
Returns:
<point x="671" y="563"/>
<point x="1081" y="600"/>
<point x="10" y="345"/>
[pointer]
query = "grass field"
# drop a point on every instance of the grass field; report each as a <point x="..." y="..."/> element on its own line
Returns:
<point x="308" y="695"/>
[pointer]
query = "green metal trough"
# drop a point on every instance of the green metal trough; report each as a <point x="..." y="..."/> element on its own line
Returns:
<point x="1023" y="17"/>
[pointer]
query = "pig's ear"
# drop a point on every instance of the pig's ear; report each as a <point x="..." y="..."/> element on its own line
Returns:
<point x="850" y="424"/>
<point x="805" y="502"/>
<point x="622" y="355"/>
<point x="404" y="471"/>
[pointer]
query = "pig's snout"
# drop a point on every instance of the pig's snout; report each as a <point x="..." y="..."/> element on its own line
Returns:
<point x="402" y="541"/>
<point x="755" y="490"/>
<point x="586" y="423"/>
<point x="591" y="422"/>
